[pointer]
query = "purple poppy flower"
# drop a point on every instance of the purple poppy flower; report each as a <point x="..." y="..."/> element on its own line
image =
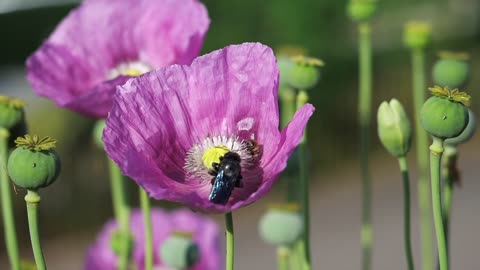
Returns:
<point x="205" y="233"/>
<point x="101" y="44"/>
<point x="168" y="126"/>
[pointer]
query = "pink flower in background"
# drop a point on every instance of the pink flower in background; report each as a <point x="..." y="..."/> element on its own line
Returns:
<point x="101" y="44"/>
<point x="205" y="233"/>
<point x="168" y="126"/>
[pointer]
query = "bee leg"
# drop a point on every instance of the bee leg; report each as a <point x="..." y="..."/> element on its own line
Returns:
<point x="212" y="181"/>
<point x="239" y="182"/>
<point x="214" y="170"/>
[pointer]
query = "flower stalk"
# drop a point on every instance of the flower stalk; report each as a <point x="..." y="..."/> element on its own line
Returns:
<point x="230" y="240"/>
<point x="364" y="107"/>
<point x="7" y="208"/>
<point x="450" y="176"/>
<point x="33" y="200"/>
<point x="402" y="161"/>
<point x="283" y="254"/>
<point x="436" y="150"/>
<point x="147" y="223"/>
<point x="121" y="210"/>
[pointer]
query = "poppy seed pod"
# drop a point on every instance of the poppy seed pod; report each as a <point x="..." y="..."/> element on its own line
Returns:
<point x="34" y="164"/>
<point x="445" y="114"/>
<point x="361" y="10"/>
<point x="11" y="112"/>
<point x="304" y="73"/>
<point x="417" y="35"/>
<point x="394" y="129"/>
<point x="179" y="251"/>
<point x="451" y="69"/>
<point x="282" y="225"/>
<point x="467" y="133"/>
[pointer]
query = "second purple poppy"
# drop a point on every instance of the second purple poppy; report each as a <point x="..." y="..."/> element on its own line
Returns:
<point x="170" y="129"/>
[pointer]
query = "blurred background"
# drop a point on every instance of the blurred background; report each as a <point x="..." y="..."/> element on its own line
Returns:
<point x="74" y="209"/>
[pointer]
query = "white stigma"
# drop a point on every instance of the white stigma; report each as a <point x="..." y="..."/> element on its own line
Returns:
<point x="194" y="165"/>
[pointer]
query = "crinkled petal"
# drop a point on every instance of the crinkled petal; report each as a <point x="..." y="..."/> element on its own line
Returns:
<point x="76" y="61"/>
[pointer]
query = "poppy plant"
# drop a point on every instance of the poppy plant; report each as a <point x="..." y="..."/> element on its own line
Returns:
<point x="206" y="134"/>
<point x="102" y="44"/>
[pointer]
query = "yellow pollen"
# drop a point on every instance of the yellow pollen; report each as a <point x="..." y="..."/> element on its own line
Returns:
<point x="132" y="72"/>
<point x="213" y="155"/>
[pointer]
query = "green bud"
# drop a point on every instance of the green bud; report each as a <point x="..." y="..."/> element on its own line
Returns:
<point x="417" y="35"/>
<point x="445" y="114"/>
<point x="282" y="225"/>
<point x="11" y="112"/>
<point x="467" y="133"/>
<point x="361" y="10"/>
<point x="452" y="69"/>
<point x="119" y="239"/>
<point x="179" y="251"/>
<point x="98" y="133"/>
<point x="304" y="73"/>
<point x="394" y="129"/>
<point x="34" y="164"/>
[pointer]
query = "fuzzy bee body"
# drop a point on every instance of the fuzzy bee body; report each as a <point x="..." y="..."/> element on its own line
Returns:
<point x="227" y="176"/>
<point x="254" y="148"/>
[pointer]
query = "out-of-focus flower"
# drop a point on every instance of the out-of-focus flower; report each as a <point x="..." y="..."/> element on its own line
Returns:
<point x="417" y="34"/>
<point x="167" y="128"/>
<point x="361" y="10"/>
<point x="205" y="233"/>
<point x="101" y="44"/>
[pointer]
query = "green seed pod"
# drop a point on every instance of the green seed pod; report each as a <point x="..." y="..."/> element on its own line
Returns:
<point x="11" y="112"/>
<point x="179" y="251"/>
<point x="394" y="129"/>
<point x="417" y="35"/>
<point x="282" y="225"/>
<point x="117" y="242"/>
<point x="445" y="114"/>
<point x="34" y="164"/>
<point x="361" y="10"/>
<point x="467" y="133"/>
<point x="304" y="73"/>
<point x="284" y="64"/>
<point x="452" y="70"/>
<point x="98" y="133"/>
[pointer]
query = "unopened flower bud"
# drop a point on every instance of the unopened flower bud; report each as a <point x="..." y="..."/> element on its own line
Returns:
<point x="451" y="70"/>
<point x="304" y="74"/>
<point x="394" y="129"/>
<point x="361" y="10"/>
<point x="445" y="114"/>
<point x="467" y="133"/>
<point x="34" y="164"/>
<point x="121" y="241"/>
<point x="282" y="225"/>
<point x="179" y="251"/>
<point x="417" y="35"/>
<point x="11" y="112"/>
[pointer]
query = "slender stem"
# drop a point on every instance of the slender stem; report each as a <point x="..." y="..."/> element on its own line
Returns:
<point x="287" y="97"/>
<point x="419" y="88"/>
<point x="402" y="161"/>
<point x="121" y="210"/>
<point x="230" y="240"/>
<point x="364" y="107"/>
<point x="7" y="208"/>
<point x="147" y="221"/>
<point x="436" y="150"/>
<point x="450" y="175"/>
<point x="33" y="200"/>
<point x="283" y="254"/>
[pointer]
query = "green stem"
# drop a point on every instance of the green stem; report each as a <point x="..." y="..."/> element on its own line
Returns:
<point x="147" y="221"/>
<point x="364" y="107"/>
<point x="419" y="88"/>
<point x="121" y="210"/>
<point x="402" y="161"/>
<point x="287" y="97"/>
<point x="7" y="208"/>
<point x="33" y="200"/>
<point x="449" y="167"/>
<point x="230" y="240"/>
<point x="283" y="254"/>
<point x="436" y="150"/>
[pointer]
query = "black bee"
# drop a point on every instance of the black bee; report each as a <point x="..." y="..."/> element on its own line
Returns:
<point x="227" y="175"/>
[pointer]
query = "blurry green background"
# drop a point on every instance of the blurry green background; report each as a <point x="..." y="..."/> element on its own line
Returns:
<point x="75" y="207"/>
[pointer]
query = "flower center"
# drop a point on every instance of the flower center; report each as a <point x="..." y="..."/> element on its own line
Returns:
<point x="135" y="68"/>
<point x="213" y="155"/>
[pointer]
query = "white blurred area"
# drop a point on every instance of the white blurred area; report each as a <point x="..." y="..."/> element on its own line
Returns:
<point x="7" y="6"/>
